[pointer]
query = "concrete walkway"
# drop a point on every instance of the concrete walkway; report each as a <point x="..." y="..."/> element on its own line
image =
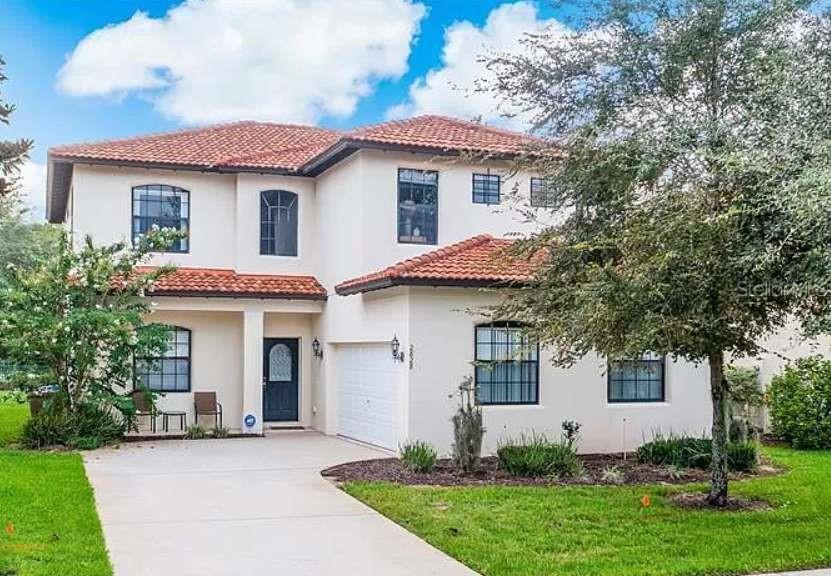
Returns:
<point x="247" y="506"/>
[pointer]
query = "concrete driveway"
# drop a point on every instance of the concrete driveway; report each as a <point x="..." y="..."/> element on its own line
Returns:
<point x="247" y="506"/>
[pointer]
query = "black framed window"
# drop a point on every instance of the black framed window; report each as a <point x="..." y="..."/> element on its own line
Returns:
<point x="169" y="372"/>
<point x="486" y="188"/>
<point x="541" y="194"/>
<point x="278" y="223"/>
<point x="162" y="206"/>
<point x="507" y="365"/>
<point x="418" y="206"/>
<point x="638" y="380"/>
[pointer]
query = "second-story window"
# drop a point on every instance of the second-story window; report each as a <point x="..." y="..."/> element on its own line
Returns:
<point x="418" y="206"/>
<point x="278" y="223"/>
<point x="486" y="188"/>
<point x="162" y="206"/>
<point x="541" y="194"/>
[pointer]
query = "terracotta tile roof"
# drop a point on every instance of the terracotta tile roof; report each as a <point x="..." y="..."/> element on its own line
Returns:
<point x="227" y="283"/>
<point x="478" y="261"/>
<point x="269" y="146"/>
<point x="225" y="146"/>
<point x="444" y="133"/>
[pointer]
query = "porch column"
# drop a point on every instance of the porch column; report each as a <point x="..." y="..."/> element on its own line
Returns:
<point x="252" y="371"/>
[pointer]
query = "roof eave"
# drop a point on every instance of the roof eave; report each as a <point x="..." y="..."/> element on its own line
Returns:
<point x="383" y="283"/>
<point x="237" y="295"/>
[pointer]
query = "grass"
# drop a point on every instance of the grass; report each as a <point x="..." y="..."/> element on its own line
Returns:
<point x="12" y="419"/>
<point x="559" y="530"/>
<point x="48" y="523"/>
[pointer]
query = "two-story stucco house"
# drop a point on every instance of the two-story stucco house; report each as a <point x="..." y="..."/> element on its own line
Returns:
<point x="327" y="280"/>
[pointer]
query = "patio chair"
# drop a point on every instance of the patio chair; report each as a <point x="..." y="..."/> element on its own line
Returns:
<point x="205" y="404"/>
<point x="143" y="408"/>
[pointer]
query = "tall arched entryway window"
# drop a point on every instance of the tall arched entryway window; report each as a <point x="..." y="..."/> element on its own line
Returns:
<point x="278" y="223"/>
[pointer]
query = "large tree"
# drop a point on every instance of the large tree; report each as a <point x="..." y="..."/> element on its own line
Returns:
<point x="689" y="159"/>
<point x="12" y="152"/>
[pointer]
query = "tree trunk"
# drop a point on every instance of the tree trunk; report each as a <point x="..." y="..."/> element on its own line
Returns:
<point x="720" y="396"/>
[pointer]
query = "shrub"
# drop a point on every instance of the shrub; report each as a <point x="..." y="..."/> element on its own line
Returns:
<point x="800" y="403"/>
<point x="418" y="456"/>
<point x="468" y="430"/>
<point x="195" y="432"/>
<point x="535" y="455"/>
<point x="89" y="427"/>
<point x="219" y="432"/>
<point x="696" y="452"/>
<point x="612" y="475"/>
<point x="742" y="456"/>
<point x="571" y="432"/>
<point x="746" y="401"/>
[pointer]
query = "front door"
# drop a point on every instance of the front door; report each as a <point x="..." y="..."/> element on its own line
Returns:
<point x="280" y="380"/>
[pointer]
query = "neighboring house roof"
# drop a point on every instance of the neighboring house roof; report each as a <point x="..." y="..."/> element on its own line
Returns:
<point x="220" y="283"/>
<point x="274" y="148"/>
<point x="480" y="261"/>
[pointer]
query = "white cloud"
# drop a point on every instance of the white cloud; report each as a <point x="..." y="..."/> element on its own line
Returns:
<point x="449" y="88"/>
<point x="218" y="60"/>
<point x="33" y="189"/>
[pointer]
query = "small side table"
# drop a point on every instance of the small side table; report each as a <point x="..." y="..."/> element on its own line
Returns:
<point x="182" y="416"/>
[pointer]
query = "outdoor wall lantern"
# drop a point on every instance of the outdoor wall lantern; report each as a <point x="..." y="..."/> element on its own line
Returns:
<point x="317" y="350"/>
<point x="397" y="354"/>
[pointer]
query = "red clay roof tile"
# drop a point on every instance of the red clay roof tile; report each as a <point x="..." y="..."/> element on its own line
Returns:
<point x="237" y="145"/>
<point x="269" y="146"/>
<point x="227" y="283"/>
<point x="477" y="261"/>
<point x="442" y="132"/>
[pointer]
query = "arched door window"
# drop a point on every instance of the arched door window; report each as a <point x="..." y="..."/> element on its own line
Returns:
<point x="278" y="223"/>
<point x="279" y="363"/>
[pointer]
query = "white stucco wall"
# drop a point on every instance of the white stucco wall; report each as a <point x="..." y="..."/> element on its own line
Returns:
<point x="102" y="208"/>
<point x="216" y="362"/>
<point x="442" y="333"/>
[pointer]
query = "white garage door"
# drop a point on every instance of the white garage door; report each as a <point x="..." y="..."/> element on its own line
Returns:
<point x="368" y="394"/>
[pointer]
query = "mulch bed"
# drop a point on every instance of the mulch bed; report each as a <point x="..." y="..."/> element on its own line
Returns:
<point x="596" y="472"/>
<point x="698" y="500"/>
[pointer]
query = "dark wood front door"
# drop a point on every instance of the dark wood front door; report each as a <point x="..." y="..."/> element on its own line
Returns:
<point x="280" y="380"/>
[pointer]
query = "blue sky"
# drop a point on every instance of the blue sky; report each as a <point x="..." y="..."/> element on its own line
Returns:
<point x="387" y="61"/>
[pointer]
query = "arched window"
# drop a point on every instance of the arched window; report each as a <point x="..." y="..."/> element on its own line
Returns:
<point x="278" y="223"/>
<point x="169" y="372"/>
<point x="279" y="363"/>
<point x="162" y="206"/>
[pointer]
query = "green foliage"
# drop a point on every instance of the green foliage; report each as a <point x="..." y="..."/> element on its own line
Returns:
<point x="86" y="428"/>
<point x="76" y="320"/>
<point x="468" y="430"/>
<point x="688" y="158"/>
<point x="800" y="403"/>
<point x="746" y="401"/>
<point x="418" y="456"/>
<point x="694" y="452"/>
<point x="13" y="418"/>
<point x="571" y="432"/>
<point x="12" y="153"/>
<point x="582" y="530"/>
<point x="195" y="432"/>
<point x="47" y="499"/>
<point x="535" y="455"/>
<point x="219" y="432"/>
<point x="12" y="397"/>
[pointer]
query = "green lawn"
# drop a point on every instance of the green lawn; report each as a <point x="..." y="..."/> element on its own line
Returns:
<point x="604" y="530"/>
<point x="12" y="419"/>
<point x="48" y="523"/>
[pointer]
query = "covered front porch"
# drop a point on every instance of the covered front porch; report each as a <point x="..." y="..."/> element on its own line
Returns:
<point x="254" y="354"/>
